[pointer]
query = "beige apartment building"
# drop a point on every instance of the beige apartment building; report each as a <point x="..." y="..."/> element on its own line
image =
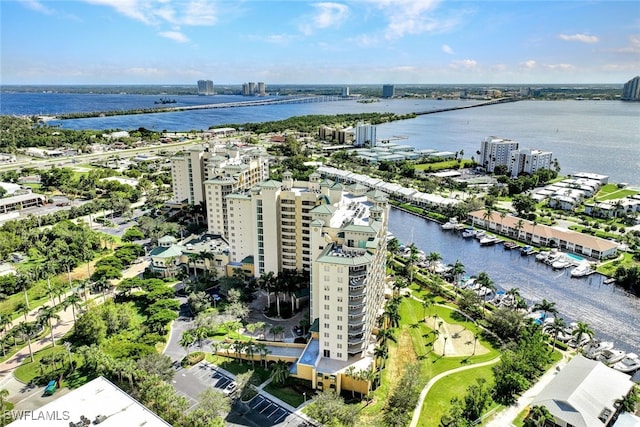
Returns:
<point x="335" y="232"/>
<point x="207" y="173"/>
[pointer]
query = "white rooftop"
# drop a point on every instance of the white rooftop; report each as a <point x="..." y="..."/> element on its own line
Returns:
<point x="98" y="397"/>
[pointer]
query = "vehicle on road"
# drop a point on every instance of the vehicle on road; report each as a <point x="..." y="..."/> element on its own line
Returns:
<point x="50" y="388"/>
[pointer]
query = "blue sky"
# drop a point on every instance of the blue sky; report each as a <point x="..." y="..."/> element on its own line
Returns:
<point x="330" y="42"/>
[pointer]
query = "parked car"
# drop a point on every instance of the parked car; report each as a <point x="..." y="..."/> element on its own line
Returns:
<point x="230" y="389"/>
<point x="50" y="388"/>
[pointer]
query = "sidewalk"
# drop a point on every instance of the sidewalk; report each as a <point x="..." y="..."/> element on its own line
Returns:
<point x="60" y="328"/>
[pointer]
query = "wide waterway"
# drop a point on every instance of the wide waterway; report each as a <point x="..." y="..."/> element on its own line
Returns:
<point x="613" y="314"/>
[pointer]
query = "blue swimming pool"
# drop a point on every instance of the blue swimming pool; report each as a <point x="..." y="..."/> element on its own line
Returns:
<point x="576" y="257"/>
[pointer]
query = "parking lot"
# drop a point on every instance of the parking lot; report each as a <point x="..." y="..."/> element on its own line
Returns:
<point x="259" y="411"/>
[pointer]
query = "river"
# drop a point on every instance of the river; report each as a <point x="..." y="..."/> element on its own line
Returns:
<point x="613" y="314"/>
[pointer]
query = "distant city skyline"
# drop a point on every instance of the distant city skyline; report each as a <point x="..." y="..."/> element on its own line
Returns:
<point x="304" y="42"/>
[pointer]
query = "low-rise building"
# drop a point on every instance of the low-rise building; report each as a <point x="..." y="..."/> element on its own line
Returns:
<point x="542" y="235"/>
<point x="584" y="394"/>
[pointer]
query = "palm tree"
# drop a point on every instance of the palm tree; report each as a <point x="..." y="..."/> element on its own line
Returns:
<point x="475" y="342"/>
<point x="444" y="346"/>
<point x="45" y="315"/>
<point x="538" y="416"/>
<point x="266" y="282"/>
<point x="547" y="307"/>
<point x="556" y="327"/>
<point x="187" y="339"/>
<point x="485" y="280"/>
<point x="381" y="352"/>
<point x="5" y="321"/>
<point x="413" y="258"/>
<point x="26" y="330"/>
<point x="519" y="227"/>
<point x="192" y="259"/>
<point x="386" y="334"/>
<point x="264" y="351"/>
<point x="433" y="259"/>
<point x="581" y="330"/>
<point x="4" y="393"/>
<point x="350" y="372"/>
<point x="398" y="284"/>
<point x="393" y="246"/>
<point x="280" y="372"/>
<point x="200" y="333"/>
<point x="458" y="270"/>
<point x="23" y="309"/>
<point x="276" y="330"/>
<point x="503" y="215"/>
<point x="23" y="282"/>
<point x="73" y="301"/>
<point x="629" y="402"/>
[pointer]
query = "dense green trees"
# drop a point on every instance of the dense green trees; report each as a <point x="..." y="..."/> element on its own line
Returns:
<point x="629" y="278"/>
<point x="329" y="409"/>
<point x="403" y="398"/>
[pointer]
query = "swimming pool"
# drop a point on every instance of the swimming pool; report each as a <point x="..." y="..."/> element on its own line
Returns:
<point x="576" y="257"/>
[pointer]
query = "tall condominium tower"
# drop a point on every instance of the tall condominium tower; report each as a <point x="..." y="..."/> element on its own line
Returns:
<point x="336" y="233"/>
<point x="220" y="169"/>
<point x="365" y="135"/>
<point x="496" y="151"/>
<point x="388" y="91"/>
<point x="631" y="90"/>
<point x="205" y="87"/>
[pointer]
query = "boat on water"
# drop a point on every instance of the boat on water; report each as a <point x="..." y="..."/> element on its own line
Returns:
<point x="163" y="101"/>
<point x="630" y="363"/>
<point x="583" y="269"/>
<point x="595" y="347"/>
<point x="527" y="250"/>
<point x="450" y="225"/>
<point x="561" y="263"/>
<point x="609" y="357"/>
<point x="479" y="234"/>
<point x="468" y="232"/>
<point x="489" y="240"/>
<point x="542" y="256"/>
<point x="609" y="281"/>
<point x="510" y="245"/>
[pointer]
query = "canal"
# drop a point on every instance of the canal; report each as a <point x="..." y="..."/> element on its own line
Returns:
<point x="612" y="313"/>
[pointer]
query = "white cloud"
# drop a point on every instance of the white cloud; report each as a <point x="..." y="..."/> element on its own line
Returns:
<point x="562" y="67"/>
<point x="37" y="6"/>
<point x="447" y="49"/>
<point x="156" y="12"/>
<point x="633" y="47"/>
<point x="582" y="38"/>
<point x="465" y="64"/>
<point x="414" y="17"/>
<point x="272" y="38"/>
<point x="530" y="64"/>
<point x="174" y="35"/>
<point x="326" y="15"/>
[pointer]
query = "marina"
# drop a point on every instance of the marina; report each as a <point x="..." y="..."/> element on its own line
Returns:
<point x="579" y="293"/>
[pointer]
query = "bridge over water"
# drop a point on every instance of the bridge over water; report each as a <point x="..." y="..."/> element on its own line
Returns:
<point x="258" y="102"/>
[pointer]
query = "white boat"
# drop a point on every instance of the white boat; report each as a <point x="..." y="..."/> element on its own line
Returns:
<point x="479" y="234"/>
<point x="542" y="256"/>
<point x="561" y="263"/>
<point x="630" y="363"/>
<point x="595" y="348"/>
<point x="450" y="225"/>
<point x="488" y="240"/>
<point x="583" y="269"/>
<point x="609" y="357"/>
<point x="468" y="232"/>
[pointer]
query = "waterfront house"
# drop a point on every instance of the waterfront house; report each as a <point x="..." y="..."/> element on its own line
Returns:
<point x="584" y="394"/>
<point x="542" y="235"/>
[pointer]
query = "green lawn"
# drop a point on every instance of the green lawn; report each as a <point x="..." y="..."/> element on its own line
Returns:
<point x="438" y="399"/>
<point x="286" y="393"/>
<point x="29" y="371"/>
<point x="609" y="268"/>
<point x="237" y="367"/>
<point x="414" y="338"/>
<point x="611" y="191"/>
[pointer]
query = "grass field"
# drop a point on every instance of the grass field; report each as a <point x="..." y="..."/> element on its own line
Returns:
<point x="414" y="345"/>
<point x="611" y="191"/>
<point x="438" y="399"/>
<point x="286" y="393"/>
<point x="236" y="367"/>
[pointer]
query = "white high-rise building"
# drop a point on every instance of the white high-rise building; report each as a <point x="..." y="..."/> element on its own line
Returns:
<point x="336" y="235"/>
<point x="221" y="168"/>
<point x="496" y="151"/>
<point x="365" y="135"/>
<point x="205" y="87"/>
<point x="528" y="161"/>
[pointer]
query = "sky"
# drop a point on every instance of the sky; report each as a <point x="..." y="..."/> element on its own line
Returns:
<point x="326" y="42"/>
